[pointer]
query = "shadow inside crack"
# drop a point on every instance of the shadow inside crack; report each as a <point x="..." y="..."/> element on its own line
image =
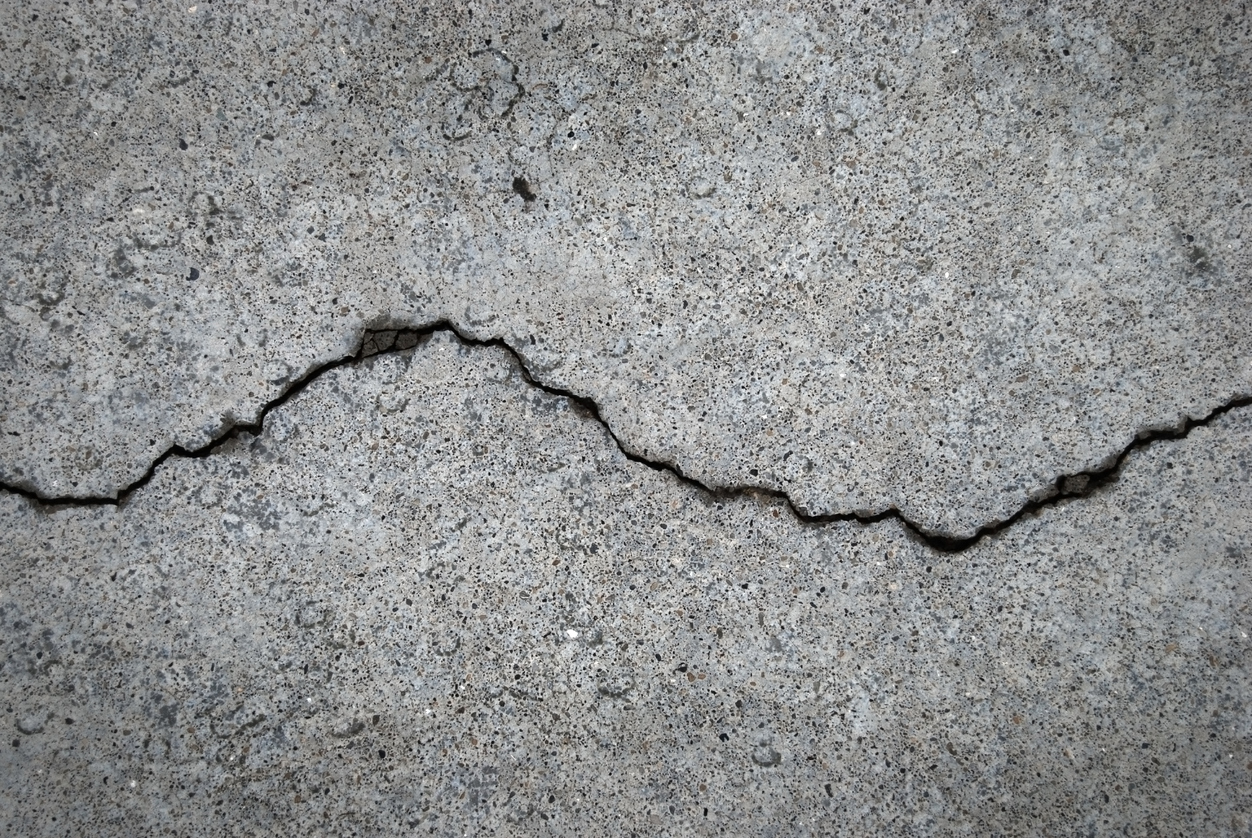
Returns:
<point x="389" y="337"/>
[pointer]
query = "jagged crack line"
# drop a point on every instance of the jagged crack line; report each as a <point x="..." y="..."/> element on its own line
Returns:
<point x="377" y="341"/>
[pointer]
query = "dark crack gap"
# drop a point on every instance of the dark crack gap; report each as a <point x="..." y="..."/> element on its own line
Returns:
<point x="399" y="338"/>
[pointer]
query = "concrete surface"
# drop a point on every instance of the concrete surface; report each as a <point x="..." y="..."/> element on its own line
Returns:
<point x="431" y="598"/>
<point x="936" y="269"/>
<point x="928" y="259"/>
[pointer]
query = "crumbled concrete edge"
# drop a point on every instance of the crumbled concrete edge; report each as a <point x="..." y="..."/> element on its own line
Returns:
<point x="385" y="337"/>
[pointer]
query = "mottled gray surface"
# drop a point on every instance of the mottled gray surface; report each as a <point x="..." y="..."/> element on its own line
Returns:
<point x="926" y="258"/>
<point x="430" y="598"/>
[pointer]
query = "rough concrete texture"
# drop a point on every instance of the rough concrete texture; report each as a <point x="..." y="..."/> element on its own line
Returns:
<point x="787" y="421"/>
<point x="928" y="259"/>
<point x="431" y="598"/>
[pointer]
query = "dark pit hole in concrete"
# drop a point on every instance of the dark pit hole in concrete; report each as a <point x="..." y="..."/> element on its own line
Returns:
<point x="522" y="187"/>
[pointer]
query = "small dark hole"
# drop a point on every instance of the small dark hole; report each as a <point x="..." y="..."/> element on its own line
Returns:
<point x="521" y="187"/>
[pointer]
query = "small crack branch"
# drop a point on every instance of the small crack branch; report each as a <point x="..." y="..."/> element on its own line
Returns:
<point x="377" y="341"/>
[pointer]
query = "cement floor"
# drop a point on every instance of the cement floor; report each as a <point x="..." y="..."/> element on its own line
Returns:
<point x="607" y="419"/>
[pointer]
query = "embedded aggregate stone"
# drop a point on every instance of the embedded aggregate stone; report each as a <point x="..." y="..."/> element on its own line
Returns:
<point x="472" y="614"/>
<point x="926" y="256"/>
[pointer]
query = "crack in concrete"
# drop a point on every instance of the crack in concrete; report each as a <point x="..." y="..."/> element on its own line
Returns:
<point x="380" y="340"/>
